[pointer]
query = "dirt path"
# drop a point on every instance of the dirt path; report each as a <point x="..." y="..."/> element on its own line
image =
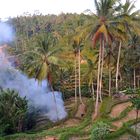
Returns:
<point x="130" y="116"/>
<point x="71" y="122"/>
<point x="116" y="110"/>
<point x="79" y="138"/>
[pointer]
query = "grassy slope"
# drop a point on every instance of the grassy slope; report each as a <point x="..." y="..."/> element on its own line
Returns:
<point x="80" y="130"/>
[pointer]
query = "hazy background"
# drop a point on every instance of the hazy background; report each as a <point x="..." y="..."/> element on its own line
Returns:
<point x="12" y="8"/>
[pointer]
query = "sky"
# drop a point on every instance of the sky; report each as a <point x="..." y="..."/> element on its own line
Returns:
<point x="13" y="8"/>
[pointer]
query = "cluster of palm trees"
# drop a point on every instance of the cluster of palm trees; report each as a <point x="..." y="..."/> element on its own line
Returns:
<point x="116" y="23"/>
<point x="113" y="32"/>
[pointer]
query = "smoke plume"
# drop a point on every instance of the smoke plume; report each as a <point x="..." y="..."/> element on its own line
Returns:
<point x="6" y="33"/>
<point x="38" y="95"/>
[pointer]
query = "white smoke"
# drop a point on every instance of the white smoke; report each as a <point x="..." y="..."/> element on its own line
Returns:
<point x="38" y="95"/>
<point x="6" y="33"/>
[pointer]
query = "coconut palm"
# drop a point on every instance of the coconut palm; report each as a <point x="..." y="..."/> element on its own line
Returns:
<point x="129" y="19"/>
<point x="105" y="13"/>
<point x="90" y="75"/>
<point x="114" y="20"/>
<point x="132" y="57"/>
<point x="77" y="46"/>
<point x="40" y="59"/>
<point x="110" y="63"/>
<point x="41" y="56"/>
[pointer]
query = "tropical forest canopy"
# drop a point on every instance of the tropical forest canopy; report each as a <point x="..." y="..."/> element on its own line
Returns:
<point x="60" y="37"/>
<point x="90" y="54"/>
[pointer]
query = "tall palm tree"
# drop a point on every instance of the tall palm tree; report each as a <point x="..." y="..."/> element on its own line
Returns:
<point x="132" y="57"/>
<point x="129" y="19"/>
<point x="40" y="59"/>
<point x="113" y="21"/>
<point x="77" y="46"/>
<point x="105" y="12"/>
<point x="90" y="74"/>
<point x="110" y="63"/>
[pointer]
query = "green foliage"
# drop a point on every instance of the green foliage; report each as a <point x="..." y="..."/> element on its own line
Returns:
<point x="62" y="133"/>
<point x="132" y="91"/>
<point x="12" y="111"/>
<point x="125" y="128"/>
<point x="136" y="102"/>
<point x="37" y="50"/>
<point x="116" y="134"/>
<point x="40" y="56"/>
<point x="99" y="131"/>
<point x="106" y="106"/>
<point x="30" y="118"/>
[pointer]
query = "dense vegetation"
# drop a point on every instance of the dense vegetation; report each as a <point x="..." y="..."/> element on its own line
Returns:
<point x="87" y="55"/>
<point x="13" y="110"/>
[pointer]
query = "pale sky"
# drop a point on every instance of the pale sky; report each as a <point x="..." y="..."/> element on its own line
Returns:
<point x="12" y="8"/>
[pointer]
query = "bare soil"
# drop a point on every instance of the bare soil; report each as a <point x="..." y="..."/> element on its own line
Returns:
<point x="130" y="116"/>
<point x="72" y="122"/>
<point x="116" y="111"/>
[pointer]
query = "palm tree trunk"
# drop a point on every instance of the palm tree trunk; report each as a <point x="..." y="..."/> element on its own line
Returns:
<point x="75" y="81"/>
<point x="55" y="106"/>
<point x="117" y="69"/>
<point x="109" y="81"/>
<point x="109" y="73"/>
<point x="79" y="68"/>
<point x="138" y="82"/>
<point x="134" y="78"/>
<point x="92" y="91"/>
<point x="101" y="74"/>
<point x="137" y="115"/>
<point x="54" y="101"/>
<point x="98" y="82"/>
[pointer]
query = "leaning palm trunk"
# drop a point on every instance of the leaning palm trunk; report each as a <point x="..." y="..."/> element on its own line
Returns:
<point x="134" y="78"/>
<point x="55" y="104"/>
<point x="117" y="69"/>
<point x="98" y="82"/>
<point x="75" y="80"/>
<point x="109" y="73"/>
<point x="79" y="68"/>
<point x="92" y="91"/>
<point x="101" y="74"/>
<point x="109" y="81"/>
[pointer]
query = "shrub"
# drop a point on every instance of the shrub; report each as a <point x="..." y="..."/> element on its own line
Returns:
<point x="100" y="131"/>
<point x="13" y="109"/>
<point x="31" y="118"/>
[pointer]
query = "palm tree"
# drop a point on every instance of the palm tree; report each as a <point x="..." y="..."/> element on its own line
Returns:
<point x="90" y="75"/>
<point x="132" y="57"/>
<point x="110" y="63"/>
<point x="41" y="58"/>
<point x="105" y="14"/>
<point x="77" y="46"/>
<point x="129" y="19"/>
<point x="72" y="46"/>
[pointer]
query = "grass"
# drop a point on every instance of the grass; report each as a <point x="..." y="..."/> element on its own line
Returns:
<point x="62" y="133"/>
<point x="107" y="105"/>
<point x="79" y="130"/>
<point x="126" y="128"/>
